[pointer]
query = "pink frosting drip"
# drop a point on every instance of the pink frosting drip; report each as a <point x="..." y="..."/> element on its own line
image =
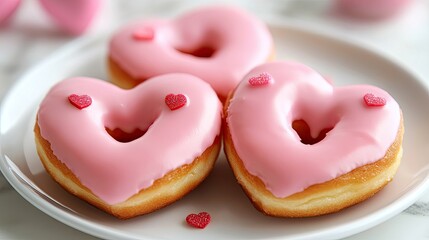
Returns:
<point x="112" y="170"/>
<point x="260" y="121"/>
<point x="240" y="41"/>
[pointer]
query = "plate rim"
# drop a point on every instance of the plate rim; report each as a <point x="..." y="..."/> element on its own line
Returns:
<point x="95" y="229"/>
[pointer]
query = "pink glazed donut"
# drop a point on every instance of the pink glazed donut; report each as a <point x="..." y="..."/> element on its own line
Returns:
<point x="129" y="152"/>
<point x="218" y="44"/>
<point x="301" y="147"/>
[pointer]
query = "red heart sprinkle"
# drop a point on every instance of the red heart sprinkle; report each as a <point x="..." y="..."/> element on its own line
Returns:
<point x="200" y="220"/>
<point x="175" y="101"/>
<point x="260" y="80"/>
<point x="81" y="101"/>
<point x="144" y="34"/>
<point x="374" y="101"/>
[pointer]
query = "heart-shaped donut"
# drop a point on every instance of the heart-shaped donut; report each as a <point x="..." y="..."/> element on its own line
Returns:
<point x="219" y="44"/>
<point x="301" y="147"/>
<point x="129" y="152"/>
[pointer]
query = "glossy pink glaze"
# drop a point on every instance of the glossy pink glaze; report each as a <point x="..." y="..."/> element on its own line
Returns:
<point x="112" y="170"/>
<point x="260" y="122"/>
<point x="240" y="40"/>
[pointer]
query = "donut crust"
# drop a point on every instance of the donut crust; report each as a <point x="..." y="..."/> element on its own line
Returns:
<point x="319" y="199"/>
<point x="121" y="78"/>
<point x="164" y="191"/>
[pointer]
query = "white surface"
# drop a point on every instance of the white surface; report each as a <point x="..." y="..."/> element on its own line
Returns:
<point x="233" y="215"/>
<point x="31" y="37"/>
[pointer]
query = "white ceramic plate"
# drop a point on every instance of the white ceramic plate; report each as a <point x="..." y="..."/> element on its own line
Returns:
<point x="233" y="217"/>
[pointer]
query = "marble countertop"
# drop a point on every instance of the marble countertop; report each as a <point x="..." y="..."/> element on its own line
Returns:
<point x="31" y="37"/>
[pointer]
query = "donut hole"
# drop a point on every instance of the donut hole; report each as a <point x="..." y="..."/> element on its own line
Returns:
<point x="200" y="52"/>
<point x="127" y="125"/>
<point x="304" y="132"/>
<point x="124" y="137"/>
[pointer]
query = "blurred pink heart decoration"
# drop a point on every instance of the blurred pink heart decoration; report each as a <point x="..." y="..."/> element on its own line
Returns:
<point x="7" y="8"/>
<point x="72" y="16"/>
<point x="372" y="9"/>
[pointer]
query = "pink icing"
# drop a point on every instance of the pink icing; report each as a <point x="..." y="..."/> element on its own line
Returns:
<point x="114" y="170"/>
<point x="240" y="41"/>
<point x="260" y="122"/>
